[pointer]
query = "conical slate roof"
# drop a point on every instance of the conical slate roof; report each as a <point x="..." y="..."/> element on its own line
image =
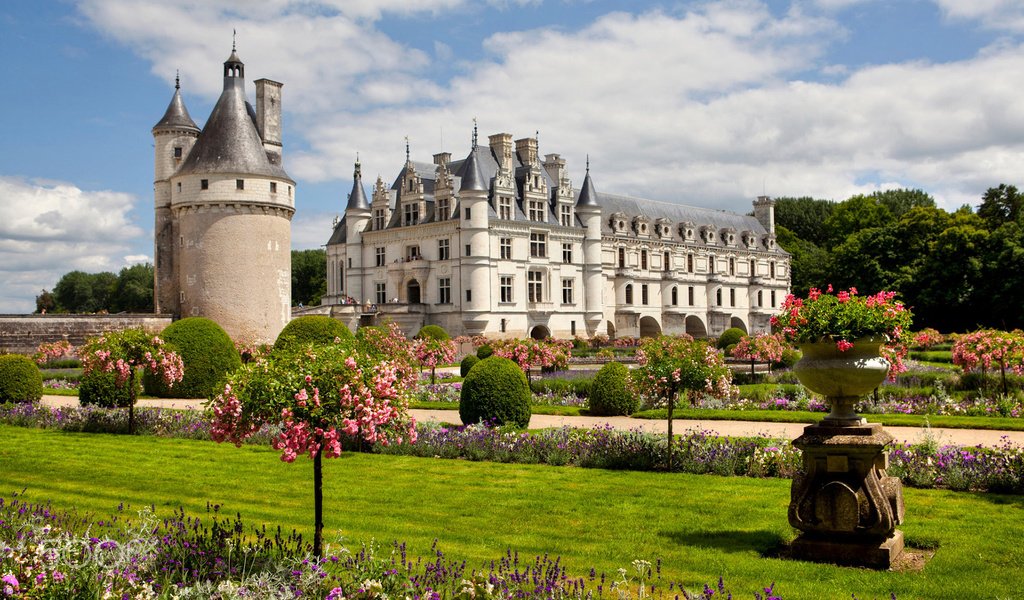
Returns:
<point x="176" y="116"/>
<point x="357" y="199"/>
<point x="588" y="196"/>
<point x="473" y="177"/>
<point x="230" y="143"/>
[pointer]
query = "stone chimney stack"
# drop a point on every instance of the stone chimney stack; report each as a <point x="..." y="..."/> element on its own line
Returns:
<point x="527" y="150"/>
<point x="501" y="147"/>
<point x="555" y="166"/>
<point x="442" y="158"/>
<point x="764" y="212"/>
<point x="268" y="116"/>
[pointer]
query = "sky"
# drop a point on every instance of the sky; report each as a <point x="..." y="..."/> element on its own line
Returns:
<point x="705" y="103"/>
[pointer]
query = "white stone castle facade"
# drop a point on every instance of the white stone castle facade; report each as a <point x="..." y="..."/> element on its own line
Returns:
<point x="501" y="244"/>
<point x="223" y="212"/>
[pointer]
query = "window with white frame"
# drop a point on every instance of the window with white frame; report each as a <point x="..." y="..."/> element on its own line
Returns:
<point x="412" y="253"/>
<point x="535" y="286"/>
<point x="443" y="249"/>
<point x="505" y="288"/>
<point x="666" y="264"/>
<point x="643" y="259"/>
<point x="381" y="292"/>
<point x="732" y="296"/>
<point x="444" y="290"/>
<point x="378" y="255"/>
<point x="536" y="210"/>
<point x="443" y="209"/>
<point x="622" y="258"/>
<point x="565" y="215"/>
<point x="689" y="295"/>
<point x="567" y="253"/>
<point x="505" y="208"/>
<point x="689" y="263"/>
<point x="505" y="247"/>
<point x="567" y="291"/>
<point x="629" y="293"/>
<point x="411" y="212"/>
<point x="378" y="219"/>
<point x="675" y="296"/>
<point x="538" y="245"/>
<point x="644" y="295"/>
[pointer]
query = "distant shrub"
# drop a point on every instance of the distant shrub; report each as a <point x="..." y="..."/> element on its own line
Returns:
<point x="467" y="364"/>
<point x="495" y="391"/>
<point x="729" y="337"/>
<point x="100" y="388"/>
<point x="311" y="329"/>
<point x="433" y="331"/>
<point x="790" y="356"/>
<point x="579" y="386"/>
<point x="484" y="351"/>
<point x="608" y="394"/>
<point x="208" y="354"/>
<point x="20" y="379"/>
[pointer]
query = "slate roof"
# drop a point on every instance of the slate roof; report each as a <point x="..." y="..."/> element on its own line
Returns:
<point x="176" y="116"/>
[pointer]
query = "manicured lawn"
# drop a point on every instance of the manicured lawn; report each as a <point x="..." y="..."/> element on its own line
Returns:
<point x="699" y="526"/>
<point x="795" y="416"/>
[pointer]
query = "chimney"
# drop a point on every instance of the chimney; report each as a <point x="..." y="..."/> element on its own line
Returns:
<point x="501" y="147"/>
<point x="442" y="158"/>
<point x="527" y="150"/>
<point x="268" y="116"/>
<point x="555" y="166"/>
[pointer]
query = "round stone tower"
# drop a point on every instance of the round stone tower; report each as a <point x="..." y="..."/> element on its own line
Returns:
<point x="231" y="205"/>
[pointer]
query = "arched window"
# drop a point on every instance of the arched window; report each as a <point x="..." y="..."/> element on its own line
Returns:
<point x="675" y="296"/>
<point x="629" y="293"/>
<point x="718" y="297"/>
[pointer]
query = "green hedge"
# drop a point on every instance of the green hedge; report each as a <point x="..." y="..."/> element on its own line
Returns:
<point x="495" y="391"/>
<point x="208" y="355"/>
<point x="608" y="394"/>
<point x="20" y="379"/>
<point x="467" y="364"/>
<point x="311" y="329"/>
<point x="100" y="388"/>
<point x="729" y="337"/>
<point x="433" y="331"/>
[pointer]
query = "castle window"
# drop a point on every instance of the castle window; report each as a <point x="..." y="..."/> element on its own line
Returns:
<point x="622" y="258"/>
<point x="760" y="298"/>
<point x="378" y="219"/>
<point x="689" y="263"/>
<point x="629" y="293"/>
<point x="469" y="250"/>
<point x="469" y="213"/>
<point x="177" y="152"/>
<point x="412" y="253"/>
<point x="753" y="268"/>
<point x="572" y="327"/>
<point x="567" y="253"/>
<point x="732" y="266"/>
<point x="273" y="187"/>
<point x="443" y="249"/>
<point x="644" y="297"/>
<point x="239" y="184"/>
<point x="536" y="210"/>
<point x="179" y="187"/>
<point x="504" y="324"/>
<point x="469" y="295"/>
<point x="732" y="296"/>
<point x="381" y="292"/>
<point x="771" y="269"/>
<point x="773" y="298"/>
<point x="689" y="295"/>
<point x="442" y="209"/>
<point x="505" y="208"/>
<point x="378" y="254"/>
<point x="567" y="291"/>
<point x="711" y="264"/>
<point x="534" y="286"/>
<point x="675" y="296"/>
<point x="538" y="245"/>
<point x="289" y="191"/>
<point x="643" y="259"/>
<point x="204" y="184"/>
<point x="444" y="290"/>
<point x="505" y="289"/>
<point x="666" y="262"/>
<point x="718" y="297"/>
<point x="411" y="212"/>
<point x="505" y="245"/>
<point x="566" y="216"/>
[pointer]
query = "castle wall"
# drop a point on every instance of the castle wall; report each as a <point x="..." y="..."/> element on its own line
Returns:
<point x="24" y="333"/>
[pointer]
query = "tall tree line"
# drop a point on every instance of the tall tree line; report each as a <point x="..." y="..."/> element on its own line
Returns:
<point x="957" y="270"/>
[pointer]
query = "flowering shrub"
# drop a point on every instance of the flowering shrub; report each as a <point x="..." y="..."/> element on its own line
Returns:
<point x="319" y="394"/>
<point x="433" y="351"/>
<point x="124" y="353"/>
<point x="52" y="351"/>
<point x="762" y="347"/>
<point x="550" y="354"/>
<point x="928" y="337"/>
<point x="988" y="348"/>
<point x="843" y="317"/>
<point x="387" y="342"/>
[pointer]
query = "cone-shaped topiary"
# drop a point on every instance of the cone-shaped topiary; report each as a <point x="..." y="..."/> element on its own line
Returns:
<point x="495" y="391"/>
<point x="608" y="394"/>
<point x="208" y="354"/>
<point x="315" y="329"/>
<point x="730" y="336"/>
<point x="20" y="379"/>
<point x="433" y="331"/>
<point x="467" y="364"/>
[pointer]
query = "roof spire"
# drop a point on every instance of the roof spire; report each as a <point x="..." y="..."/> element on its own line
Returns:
<point x="234" y="32"/>
<point x="474" y="133"/>
<point x="588" y="163"/>
<point x="407" y="149"/>
<point x="177" y="79"/>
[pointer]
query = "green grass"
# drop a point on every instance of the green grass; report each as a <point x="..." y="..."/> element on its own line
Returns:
<point x="700" y="526"/>
<point x="796" y="416"/>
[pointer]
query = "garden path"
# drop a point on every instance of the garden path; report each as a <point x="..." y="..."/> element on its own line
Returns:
<point x="960" y="437"/>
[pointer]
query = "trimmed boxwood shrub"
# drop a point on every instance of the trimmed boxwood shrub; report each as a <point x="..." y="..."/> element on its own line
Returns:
<point x="311" y="329"/>
<point x="467" y="364"/>
<point x="579" y="386"/>
<point x="608" y="394"/>
<point x="20" y="379"/>
<point x="730" y="336"/>
<point x="100" y="388"/>
<point x="207" y="353"/>
<point x="495" y="391"/>
<point x="433" y="331"/>
<point x="484" y="351"/>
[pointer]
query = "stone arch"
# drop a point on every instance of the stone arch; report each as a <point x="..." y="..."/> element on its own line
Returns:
<point x="738" y="324"/>
<point x="695" y="327"/>
<point x="610" y="330"/>
<point x="540" y="332"/>
<point x="649" y="327"/>
<point x="412" y="292"/>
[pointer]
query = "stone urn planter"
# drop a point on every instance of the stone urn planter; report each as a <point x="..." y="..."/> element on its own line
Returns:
<point x="844" y="503"/>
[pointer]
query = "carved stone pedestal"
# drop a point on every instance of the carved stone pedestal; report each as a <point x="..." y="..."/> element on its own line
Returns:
<point x="845" y="504"/>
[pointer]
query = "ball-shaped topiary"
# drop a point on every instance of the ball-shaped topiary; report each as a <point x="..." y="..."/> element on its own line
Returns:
<point x="608" y="394"/>
<point x="730" y="336"/>
<point x="467" y="364"/>
<point x="100" y="388"/>
<point x="311" y="329"/>
<point x="20" y="379"/>
<point x="433" y="331"/>
<point x="495" y="391"/>
<point x="484" y="351"/>
<point x="207" y="353"/>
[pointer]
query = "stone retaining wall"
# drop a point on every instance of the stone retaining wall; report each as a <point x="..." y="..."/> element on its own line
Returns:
<point x="24" y="333"/>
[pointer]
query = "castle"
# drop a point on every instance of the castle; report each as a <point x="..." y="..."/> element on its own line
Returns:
<point x="223" y="211"/>
<point x="502" y="244"/>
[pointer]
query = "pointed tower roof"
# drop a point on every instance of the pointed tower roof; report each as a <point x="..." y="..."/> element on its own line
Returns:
<point x="176" y="116"/>
<point x="357" y="199"/>
<point x="588" y="195"/>
<point x="230" y="142"/>
<point x="472" y="174"/>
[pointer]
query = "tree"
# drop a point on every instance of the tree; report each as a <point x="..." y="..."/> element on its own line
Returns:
<point x="805" y="217"/>
<point x="45" y="302"/>
<point x="762" y="347"/>
<point x="669" y="367"/>
<point x="547" y="354"/>
<point x="309" y="276"/>
<point x="74" y="293"/>
<point x="808" y="263"/>
<point x="319" y="396"/>
<point x="432" y="351"/>
<point x="134" y="290"/>
<point x="945" y="294"/>
<point x="900" y="201"/>
<point x="125" y="353"/>
<point x="989" y="347"/>
<point x="999" y="205"/>
<point x="857" y="213"/>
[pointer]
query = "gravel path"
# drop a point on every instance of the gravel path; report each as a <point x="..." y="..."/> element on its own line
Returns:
<point x="960" y="437"/>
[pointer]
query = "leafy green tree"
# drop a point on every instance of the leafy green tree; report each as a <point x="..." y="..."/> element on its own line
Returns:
<point x="900" y="201"/>
<point x="999" y="205"/>
<point x="857" y="213"/>
<point x="805" y="217"/>
<point x="1001" y="284"/>
<point x="947" y="295"/>
<point x="45" y="302"/>
<point x="808" y="262"/>
<point x="81" y="292"/>
<point x="309" y="276"/>
<point x="134" y="290"/>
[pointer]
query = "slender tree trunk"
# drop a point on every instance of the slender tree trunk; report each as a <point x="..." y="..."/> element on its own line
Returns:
<point x="1002" y="373"/>
<point x="433" y="379"/>
<point x="318" y="504"/>
<point x="671" y="406"/>
<point x="131" y="402"/>
<point x="752" y="376"/>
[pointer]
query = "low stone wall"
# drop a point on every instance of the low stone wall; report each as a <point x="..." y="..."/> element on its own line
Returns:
<point x="24" y="333"/>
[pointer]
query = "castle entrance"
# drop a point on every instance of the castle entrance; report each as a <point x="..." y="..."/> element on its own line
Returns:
<point x="412" y="292"/>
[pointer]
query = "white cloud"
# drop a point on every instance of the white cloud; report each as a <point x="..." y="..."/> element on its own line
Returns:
<point x="1006" y="15"/>
<point x="50" y="228"/>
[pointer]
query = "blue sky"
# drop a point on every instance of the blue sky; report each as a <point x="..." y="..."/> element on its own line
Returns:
<point x="701" y="103"/>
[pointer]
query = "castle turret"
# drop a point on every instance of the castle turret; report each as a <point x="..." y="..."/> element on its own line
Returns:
<point x="173" y="138"/>
<point x="476" y="304"/>
<point x="357" y="217"/>
<point x="231" y="208"/>
<point x="589" y="213"/>
<point x="764" y="212"/>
